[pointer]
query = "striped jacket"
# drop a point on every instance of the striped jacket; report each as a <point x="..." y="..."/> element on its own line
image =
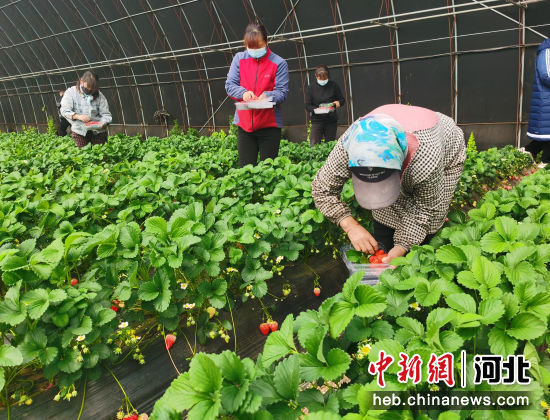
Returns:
<point x="539" y="118"/>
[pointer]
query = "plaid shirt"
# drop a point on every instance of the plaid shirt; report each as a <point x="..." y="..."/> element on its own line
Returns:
<point x="427" y="184"/>
<point x="74" y="102"/>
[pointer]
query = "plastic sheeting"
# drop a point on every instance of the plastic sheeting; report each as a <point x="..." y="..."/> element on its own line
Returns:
<point x="460" y="57"/>
<point x="145" y="384"/>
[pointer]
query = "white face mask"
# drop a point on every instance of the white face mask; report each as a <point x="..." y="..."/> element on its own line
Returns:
<point x="322" y="82"/>
<point x="257" y="53"/>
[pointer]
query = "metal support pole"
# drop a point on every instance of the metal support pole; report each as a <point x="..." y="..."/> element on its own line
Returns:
<point x="521" y="78"/>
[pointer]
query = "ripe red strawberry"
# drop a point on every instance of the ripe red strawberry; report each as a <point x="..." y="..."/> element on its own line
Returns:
<point x="526" y="173"/>
<point x="239" y="245"/>
<point x="373" y="259"/>
<point x="170" y="340"/>
<point x="74" y="281"/>
<point x="380" y="252"/>
<point x="114" y="308"/>
<point x="47" y="386"/>
<point x="446" y="219"/>
<point x="132" y="417"/>
<point x="317" y="291"/>
<point x="533" y="171"/>
<point x="274" y="325"/>
<point x="264" y="328"/>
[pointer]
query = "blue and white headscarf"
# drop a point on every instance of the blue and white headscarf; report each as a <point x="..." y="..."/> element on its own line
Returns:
<point x="376" y="141"/>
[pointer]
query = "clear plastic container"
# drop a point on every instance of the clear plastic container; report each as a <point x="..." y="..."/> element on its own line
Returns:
<point x="241" y="106"/>
<point x="261" y="104"/>
<point x="322" y="110"/>
<point x="372" y="271"/>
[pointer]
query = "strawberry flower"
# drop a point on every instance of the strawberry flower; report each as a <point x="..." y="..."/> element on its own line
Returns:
<point x="415" y="306"/>
<point x="365" y="350"/>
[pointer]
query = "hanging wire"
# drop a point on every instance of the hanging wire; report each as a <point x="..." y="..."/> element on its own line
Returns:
<point x="354" y="64"/>
<point x="214" y="47"/>
<point x="309" y="56"/>
<point x="340" y="29"/>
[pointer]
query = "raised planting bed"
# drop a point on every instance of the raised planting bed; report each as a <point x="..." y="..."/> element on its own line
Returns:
<point x="145" y="384"/>
<point x="482" y="286"/>
<point x="94" y="241"/>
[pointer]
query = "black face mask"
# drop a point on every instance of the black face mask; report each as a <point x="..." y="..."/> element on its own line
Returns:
<point x="87" y="91"/>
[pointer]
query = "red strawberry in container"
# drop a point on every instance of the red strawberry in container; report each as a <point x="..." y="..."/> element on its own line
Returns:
<point x="373" y="259"/>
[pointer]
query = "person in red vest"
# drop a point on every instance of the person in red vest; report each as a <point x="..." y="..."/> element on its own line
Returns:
<point x="257" y="75"/>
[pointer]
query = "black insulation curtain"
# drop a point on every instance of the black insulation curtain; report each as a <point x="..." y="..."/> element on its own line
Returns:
<point x="166" y="60"/>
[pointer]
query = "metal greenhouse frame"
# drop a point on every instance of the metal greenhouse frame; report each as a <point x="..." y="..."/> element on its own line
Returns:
<point x="164" y="60"/>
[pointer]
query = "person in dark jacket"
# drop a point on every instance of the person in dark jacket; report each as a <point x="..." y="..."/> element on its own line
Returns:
<point x="322" y="99"/>
<point x="257" y="74"/>
<point x="539" y="118"/>
<point x="63" y="123"/>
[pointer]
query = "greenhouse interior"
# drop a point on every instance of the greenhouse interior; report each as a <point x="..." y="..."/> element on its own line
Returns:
<point x="283" y="209"/>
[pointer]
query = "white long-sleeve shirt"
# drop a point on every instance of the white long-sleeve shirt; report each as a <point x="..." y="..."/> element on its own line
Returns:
<point x="74" y="102"/>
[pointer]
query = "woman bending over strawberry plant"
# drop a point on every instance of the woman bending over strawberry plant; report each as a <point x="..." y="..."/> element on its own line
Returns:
<point x="405" y="163"/>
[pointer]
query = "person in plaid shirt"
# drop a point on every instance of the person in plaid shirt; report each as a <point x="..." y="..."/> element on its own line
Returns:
<point x="405" y="163"/>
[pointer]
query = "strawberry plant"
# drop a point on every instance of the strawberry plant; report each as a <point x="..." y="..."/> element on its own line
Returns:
<point x="162" y="231"/>
<point x="482" y="285"/>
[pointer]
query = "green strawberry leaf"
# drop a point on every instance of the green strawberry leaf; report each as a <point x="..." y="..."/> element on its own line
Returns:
<point x="526" y="326"/>
<point x="286" y="378"/>
<point x="10" y="356"/>
<point x="337" y="363"/>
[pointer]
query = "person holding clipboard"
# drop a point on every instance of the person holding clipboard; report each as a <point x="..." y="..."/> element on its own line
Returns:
<point x="322" y="99"/>
<point x="258" y="80"/>
<point x="86" y="108"/>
